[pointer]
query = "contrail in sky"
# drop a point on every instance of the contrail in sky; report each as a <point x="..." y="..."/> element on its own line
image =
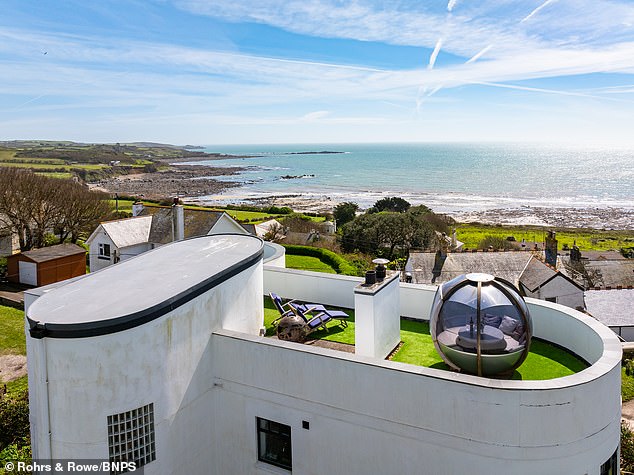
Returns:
<point x="479" y="54"/>
<point x="434" y="54"/>
<point x="534" y="12"/>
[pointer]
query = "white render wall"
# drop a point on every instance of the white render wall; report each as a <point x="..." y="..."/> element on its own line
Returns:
<point x="370" y="416"/>
<point x="165" y="361"/>
<point x="566" y="293"/>
<point x="209" y="377"/>
<point x="93" y="259"/>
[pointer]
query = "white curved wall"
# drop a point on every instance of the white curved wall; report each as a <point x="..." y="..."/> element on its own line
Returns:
<point x="165" y="361"/>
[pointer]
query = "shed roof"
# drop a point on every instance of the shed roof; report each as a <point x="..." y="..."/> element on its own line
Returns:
<point x="50" y="253"/>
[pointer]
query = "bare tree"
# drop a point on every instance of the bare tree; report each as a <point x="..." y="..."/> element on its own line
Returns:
<point x="33" y="205"/>
<point x="81" y="212"/>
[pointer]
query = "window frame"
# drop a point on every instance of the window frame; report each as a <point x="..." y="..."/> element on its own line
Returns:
<point x="103" y="247"/>
<point x="270" y="432"/>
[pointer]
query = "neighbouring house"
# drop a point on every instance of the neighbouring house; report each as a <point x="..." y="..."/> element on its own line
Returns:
<point x="542" y="281"/>
<point x="272" y="226"/>
<point x="599" y="269"/>
<point x="161" y="361"/>
<point x="153" y="226"/>
<point x="9" y="242"/>
<point x="47" y="265"/>
<point x="534" y="277"/>
<point x="614" y="308"/>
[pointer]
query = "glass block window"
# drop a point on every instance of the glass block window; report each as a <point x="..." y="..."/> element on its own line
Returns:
<point x="274" y="443"/>
<point x="131" y="437"/>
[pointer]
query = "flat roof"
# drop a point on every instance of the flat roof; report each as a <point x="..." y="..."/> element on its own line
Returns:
<point x="611" y="307"/>
<point x="143" y="288"/>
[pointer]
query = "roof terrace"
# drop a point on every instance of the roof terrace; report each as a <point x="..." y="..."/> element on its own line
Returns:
<point x="544" y="361"/>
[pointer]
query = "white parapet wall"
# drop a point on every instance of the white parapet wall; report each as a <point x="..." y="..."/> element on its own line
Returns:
<point x="355" y="415"/>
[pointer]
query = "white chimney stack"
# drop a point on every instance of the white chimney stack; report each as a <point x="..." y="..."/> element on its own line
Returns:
<point x="178" y="216"/>
<point x="137" y="207"/>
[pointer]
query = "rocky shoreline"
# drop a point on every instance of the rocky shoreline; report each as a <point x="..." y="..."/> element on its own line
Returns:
<point x="191" y="182"/>
<point x="178" y="180"/>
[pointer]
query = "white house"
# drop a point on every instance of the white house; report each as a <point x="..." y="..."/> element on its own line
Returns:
<point x="153" y="226"/>
<point x="541" y="281"/>
<point x="159" y="360"/>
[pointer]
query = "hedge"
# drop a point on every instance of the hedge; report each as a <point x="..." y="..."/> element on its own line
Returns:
<point x="338" y="263"/>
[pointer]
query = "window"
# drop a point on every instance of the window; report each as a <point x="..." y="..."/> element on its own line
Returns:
<point x="611" y="465"/>
<point x="131" y="437"/>
<point x="104" y="251"/>
<point x="274" y="443"/>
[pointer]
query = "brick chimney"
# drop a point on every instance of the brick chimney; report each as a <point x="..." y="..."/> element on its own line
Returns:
<point x="550" y="249"/>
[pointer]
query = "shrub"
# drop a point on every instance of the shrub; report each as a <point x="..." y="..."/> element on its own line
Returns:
<point x="17" y="452"/>
<point x="495" y="242"/>
<point x="14" y="418"/>
<point x="627" y="449"/>
<point x="335" y="261"/>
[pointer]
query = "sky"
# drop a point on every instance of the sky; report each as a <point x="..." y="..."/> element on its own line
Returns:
<point x="317" y="71"/>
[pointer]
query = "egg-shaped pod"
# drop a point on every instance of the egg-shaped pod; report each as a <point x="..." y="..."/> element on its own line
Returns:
<point x="480" y="324"/>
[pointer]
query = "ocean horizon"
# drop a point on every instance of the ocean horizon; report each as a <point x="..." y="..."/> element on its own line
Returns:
<point x="449" y="178"/>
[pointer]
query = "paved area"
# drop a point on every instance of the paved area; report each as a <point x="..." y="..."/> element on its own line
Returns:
<point x="12" y="295"/>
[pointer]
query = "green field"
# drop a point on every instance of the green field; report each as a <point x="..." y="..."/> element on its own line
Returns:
<point x="587" y="239"/>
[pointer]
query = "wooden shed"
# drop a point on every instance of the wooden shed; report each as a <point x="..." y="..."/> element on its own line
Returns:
<point x="47" y="265"/>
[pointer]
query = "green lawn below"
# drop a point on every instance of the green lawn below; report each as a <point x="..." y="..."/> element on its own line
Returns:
<point x="544" y="361"/>
<point x="13" y="341"/>
<point x="308" y="263"/>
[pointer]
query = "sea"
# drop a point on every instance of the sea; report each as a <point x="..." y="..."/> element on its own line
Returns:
<point x="525" y="182"/>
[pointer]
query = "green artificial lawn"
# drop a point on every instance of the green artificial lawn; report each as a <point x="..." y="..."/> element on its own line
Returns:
<point x="544" y="361"/>
<point x="308" y="263"/>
